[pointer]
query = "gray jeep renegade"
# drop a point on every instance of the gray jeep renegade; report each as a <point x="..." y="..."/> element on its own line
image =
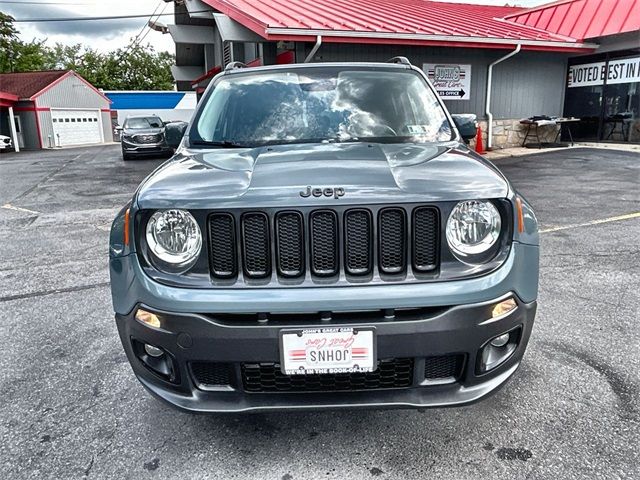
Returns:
<point x="323" y="238"/>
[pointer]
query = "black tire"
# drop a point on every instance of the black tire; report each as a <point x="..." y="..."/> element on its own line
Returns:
<point x="125" y="156"/>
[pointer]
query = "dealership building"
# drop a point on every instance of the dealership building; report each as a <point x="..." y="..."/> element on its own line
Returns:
<point x="55" y="108"/>
<point x="570" y="58"/>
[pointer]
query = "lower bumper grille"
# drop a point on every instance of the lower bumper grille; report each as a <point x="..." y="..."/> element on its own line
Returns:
<point x="267" y="377"/>
<point x="443" y="369"/>
<point x="211" y="374"/>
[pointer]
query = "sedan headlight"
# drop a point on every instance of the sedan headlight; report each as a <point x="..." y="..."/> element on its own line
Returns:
<point x="174" y="238"/>
<point x="473" y="228"/>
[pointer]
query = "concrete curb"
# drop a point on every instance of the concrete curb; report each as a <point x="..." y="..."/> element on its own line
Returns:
<point x="522" y="151"/>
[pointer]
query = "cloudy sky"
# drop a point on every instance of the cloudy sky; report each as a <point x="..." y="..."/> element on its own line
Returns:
<point x="111" y="34"/>
<point x="100" y="34"/>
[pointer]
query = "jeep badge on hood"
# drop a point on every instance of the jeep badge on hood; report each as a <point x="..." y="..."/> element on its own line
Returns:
<point x="335" y="192"/>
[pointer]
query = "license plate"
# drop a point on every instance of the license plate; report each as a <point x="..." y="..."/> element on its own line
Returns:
<point x="327" y="350"/>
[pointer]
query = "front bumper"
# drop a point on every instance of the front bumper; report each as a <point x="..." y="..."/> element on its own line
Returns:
<point x="189" y="338"/>
<point x="144" y="148"/>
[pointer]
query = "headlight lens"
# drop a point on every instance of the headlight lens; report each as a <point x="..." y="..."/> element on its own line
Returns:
<point x="473" y="227"/>
<point x="174" y="238"/>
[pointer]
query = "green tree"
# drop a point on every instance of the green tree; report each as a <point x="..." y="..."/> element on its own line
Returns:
<point x="16" y="55"/>
<point x="137" y="67"/>
<point x="142" y="68"/>
<point x="8" y="35"/>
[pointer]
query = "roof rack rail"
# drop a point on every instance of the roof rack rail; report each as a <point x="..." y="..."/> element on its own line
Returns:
<point x="234" y="66"/>
<point x="400" y="60"/>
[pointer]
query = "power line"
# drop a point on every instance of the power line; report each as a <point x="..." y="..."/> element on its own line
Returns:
<point x="149" y="26"/>
<point x="146" y="24"/>
<point x="88" y="19"/>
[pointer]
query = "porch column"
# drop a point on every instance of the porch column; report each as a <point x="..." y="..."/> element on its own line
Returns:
<point x="14" y="134"/>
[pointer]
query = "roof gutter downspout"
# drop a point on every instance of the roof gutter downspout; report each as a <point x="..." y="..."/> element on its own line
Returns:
<point x="488" y="96"/>
<point x="314" y="50"/>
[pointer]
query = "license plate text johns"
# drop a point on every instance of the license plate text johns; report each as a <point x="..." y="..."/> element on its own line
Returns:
<point x="327" y="350"/>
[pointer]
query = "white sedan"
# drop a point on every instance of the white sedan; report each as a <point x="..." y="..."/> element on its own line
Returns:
<point x="5" y="142"/>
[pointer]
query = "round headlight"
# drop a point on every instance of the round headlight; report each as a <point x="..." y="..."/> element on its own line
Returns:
<point x="174" y="238"/>
<point x="473" y="227"/>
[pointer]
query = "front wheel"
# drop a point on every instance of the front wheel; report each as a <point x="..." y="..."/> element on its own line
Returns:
<point x="125" y="156"/>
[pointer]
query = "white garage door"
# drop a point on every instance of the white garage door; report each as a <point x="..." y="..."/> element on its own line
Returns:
<point x="76" y="127"/>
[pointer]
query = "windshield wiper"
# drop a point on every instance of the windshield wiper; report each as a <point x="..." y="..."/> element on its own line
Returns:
<point x="385" y="139"/>
<point x="220" y="143"/>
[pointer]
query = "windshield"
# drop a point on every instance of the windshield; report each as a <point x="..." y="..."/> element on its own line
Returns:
<point x="143" y="122"/>
<point x="321" y="104"/>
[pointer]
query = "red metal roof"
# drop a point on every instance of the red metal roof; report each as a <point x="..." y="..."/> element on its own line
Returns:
<point x="27" y="84"/>
<point x="583" y="19"/>
<point x="409" y="22"/>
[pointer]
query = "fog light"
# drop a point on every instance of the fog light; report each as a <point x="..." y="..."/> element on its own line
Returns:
<point x="498" y="342"/>
<point x="498" y="350"/>
<point x="153" y="351"/>
<point x="148" y="318"/>
<point x="503" y="307"/>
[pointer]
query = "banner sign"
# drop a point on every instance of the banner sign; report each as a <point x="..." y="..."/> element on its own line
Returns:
<point x="626" y="70"/>
<point x="452" y="81"/>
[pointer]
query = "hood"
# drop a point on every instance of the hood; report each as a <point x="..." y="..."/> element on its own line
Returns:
<point x="143" y="131"/>
<point x="275" y="176"/>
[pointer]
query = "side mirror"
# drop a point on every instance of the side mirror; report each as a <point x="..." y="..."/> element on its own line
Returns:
<point x="466" y="124"/>
<point x="174" y="132"/>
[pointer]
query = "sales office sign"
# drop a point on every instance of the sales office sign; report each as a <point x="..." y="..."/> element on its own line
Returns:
<point x="452" y="81"/>
<point x="626" y="70"/>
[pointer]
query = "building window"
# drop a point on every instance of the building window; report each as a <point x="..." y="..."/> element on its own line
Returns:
<point x="603" y="91"/>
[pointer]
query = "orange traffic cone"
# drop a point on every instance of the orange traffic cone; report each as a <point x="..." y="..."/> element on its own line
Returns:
<point x="479" y="145"/>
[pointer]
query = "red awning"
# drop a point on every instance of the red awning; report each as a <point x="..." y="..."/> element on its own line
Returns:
<point x="281" y="58"/>
<point x="407" y="22"/>
<point x="7" y="99"/>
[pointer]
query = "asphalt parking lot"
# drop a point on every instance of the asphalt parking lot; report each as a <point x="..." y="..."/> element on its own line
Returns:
<point x="71" y="407"/>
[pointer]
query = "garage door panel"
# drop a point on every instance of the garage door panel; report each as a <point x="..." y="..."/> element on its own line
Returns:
<point x="76" y="127"/>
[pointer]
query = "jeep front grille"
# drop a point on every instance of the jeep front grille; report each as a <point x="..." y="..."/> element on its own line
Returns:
<point x="352" y="243"/>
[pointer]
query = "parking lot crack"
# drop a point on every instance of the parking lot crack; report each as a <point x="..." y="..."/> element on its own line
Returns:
<point x="45" y="179"/>
<point x="624" y="391"/>
<point x="87" y="470"/>
<point x="42" y="293"/>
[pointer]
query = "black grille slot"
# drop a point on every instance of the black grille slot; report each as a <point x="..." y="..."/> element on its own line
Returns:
<point x="210" y="374"/>
<point x="290" y="244"/>
<point x="358" y="242"/>
<point x="222" y="234"/>
<point x="267" y="377"/>
<point x="444" y="368"/>
<point x="256" y="248"/>
<point x="393" y="240"/>
<point x="324" y="242"/>
<point x="425" y="239"/>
